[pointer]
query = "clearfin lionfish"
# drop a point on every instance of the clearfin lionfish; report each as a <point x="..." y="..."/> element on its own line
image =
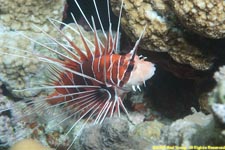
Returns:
<point x="92" y="84"/>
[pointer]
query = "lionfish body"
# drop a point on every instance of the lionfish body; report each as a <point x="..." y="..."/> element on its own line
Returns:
<point x="97" y="82"/>
<point x="94" y="83"/>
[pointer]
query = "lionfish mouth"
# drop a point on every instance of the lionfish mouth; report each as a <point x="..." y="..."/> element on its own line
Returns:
<point x="92" y="84"/>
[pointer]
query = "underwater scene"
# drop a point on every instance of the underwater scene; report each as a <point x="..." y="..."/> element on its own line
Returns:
<point x="112" y="75"/>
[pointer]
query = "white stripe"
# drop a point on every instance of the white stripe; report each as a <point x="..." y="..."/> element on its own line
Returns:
<point x="99" y="61"/>
<point x="111" y="69"/>
<point x="99" y="19"/>
<point x="82" y="35"/>
<point x="125" y="70"/>
<point x="118" y="71"/>
<point x="64" y="86"/>
<point x="98" y="40"/>
<point x="81" y="68"/>
<point x="92" y="68"/>
<point x="75" y="72"/>
<point x="73" y="114"/>
<point x="109" y="17"/>
<point x="106" y="112"/>
<point x="73" y="29"/>
<point x="113" y="107"/>
<point x="81" y="129"/>
<point x="80" y="118"/>
<point x="60" y="44"/>
<point x="124" y="108"/>
<point x="83" y="15"/>
<point x="68" y="40"/>
<point x="103" y="108"/>
<point x="118" y="26"/>
<point x="97" y="120"/>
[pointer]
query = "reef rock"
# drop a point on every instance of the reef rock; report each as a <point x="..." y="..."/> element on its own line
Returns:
<point x="219" y="112"/>
<point x="149" y="130"/>
<point x="20" y="69"/>
<point x="22" y="15"/>
<point x="117" y="134"/>
<point x="11" y="130"/>
<point x="220" y="75"/>
<point x="205" y="17"/>
<point x="196" y="129"/>
<point x="217" y="96"/>
<point x="106" y="136"/>
<point x="163" y="32"/>
<point x="18" y="121"/>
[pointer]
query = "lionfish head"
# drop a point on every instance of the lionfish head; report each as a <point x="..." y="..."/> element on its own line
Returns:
<point x="142" y="71"/>
<point x="139" y="69"/>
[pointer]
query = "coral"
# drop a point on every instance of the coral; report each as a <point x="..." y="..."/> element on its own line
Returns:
<point x="19" y="121"/>
<point x="11" y="130"/>
<point x="219" y="112"/>
<point x="205" y="17"/>
<point x="148" y="130"/>
<point x="19" y="69"/>
<point x="48" y="133"/>
<point x="47" y="128"/>
<point x="190" y="130"/>
<point x="220" y="75"/>
<point x="5" y="129"/>
<point x="216" y="98"/>
<point x="162" y="34"/>
<point x="28" y="144"/>
<point x="22" y="15"/>
<point x="218" y="93"/>
<point x="114" y="133"/>
<point x="117" y="133"/>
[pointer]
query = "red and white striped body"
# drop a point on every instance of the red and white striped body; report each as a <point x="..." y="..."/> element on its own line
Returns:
<point x="96" y="82"/>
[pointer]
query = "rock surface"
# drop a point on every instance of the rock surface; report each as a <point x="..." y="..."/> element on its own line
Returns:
<point x="11" y="130"/>
<point x="116" y="134"/>
<point x="217" y="96"/>
<point x="162" y="33"/>
<point x="20" y="69"/>
<point x="205" y="17"/>
<point x="22" y="15"/>
<point x="196" y="129"/>
<point x="219" y="112"/>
